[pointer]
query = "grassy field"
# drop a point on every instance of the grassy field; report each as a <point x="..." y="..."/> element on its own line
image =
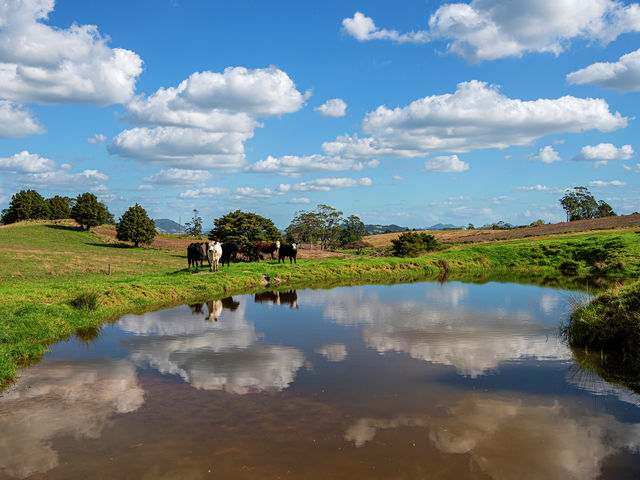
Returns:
<point x="54" y="279"/>
<point x="464" y="236"/>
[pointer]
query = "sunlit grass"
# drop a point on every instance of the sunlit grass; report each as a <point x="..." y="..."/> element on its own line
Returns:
<point x="55" y="281"/>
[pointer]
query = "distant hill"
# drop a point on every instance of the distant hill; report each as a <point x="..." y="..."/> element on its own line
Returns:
<point x="164" y="225"/>
<point x="377" y="229"/>
<point x="441" y="226"/>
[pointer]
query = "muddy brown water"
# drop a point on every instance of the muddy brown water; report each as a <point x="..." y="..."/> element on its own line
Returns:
<point x="423" y="380"/>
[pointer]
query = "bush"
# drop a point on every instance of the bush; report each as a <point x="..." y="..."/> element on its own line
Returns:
<point x="135" y="226"/>
<point x="412" y="244"/>
<point x="86" y="301"/>
<point x="568" y="267"/>
<point x="88" y="211"/>
<point x="26" y="205"/>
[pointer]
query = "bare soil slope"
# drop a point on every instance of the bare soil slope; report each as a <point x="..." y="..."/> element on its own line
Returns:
<point x="622" y="221"/>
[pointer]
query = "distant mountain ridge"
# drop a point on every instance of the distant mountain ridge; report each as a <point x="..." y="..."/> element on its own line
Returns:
<point x="164" y="225"/>
<point x="441" y="226"/>
<point x="377" y="229"/>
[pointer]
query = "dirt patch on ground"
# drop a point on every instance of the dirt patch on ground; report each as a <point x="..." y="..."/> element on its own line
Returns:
<point x="622" y="221"/>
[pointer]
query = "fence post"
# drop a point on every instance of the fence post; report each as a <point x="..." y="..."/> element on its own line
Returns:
<point x="109" y="269"/>
<point x="142" y="269"/>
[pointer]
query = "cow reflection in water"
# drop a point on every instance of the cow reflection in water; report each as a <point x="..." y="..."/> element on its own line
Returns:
<point x="214" y="308"/>
<point x="289" y="297"/>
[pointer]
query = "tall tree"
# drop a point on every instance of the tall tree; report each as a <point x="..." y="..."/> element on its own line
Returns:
<point x="26" y="205"/>
<point x="135" y="226"/>
<point x="59" y="207"/>
<point x="194" y="227"/>
<point x="352" y="230"/>
<point x="304" y="228"/>
<point x="244" y="228"/>
<point x="579" y="204"/>
<point x="88" y="211"/>
<point x="329" y="220"/>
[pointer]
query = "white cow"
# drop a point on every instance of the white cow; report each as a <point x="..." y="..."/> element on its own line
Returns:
<point x="214" y="252"/>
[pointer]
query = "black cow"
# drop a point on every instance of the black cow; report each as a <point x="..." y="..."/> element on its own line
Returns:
<point x="288" y="250"/>
<point x="195" y="254"/>
<point x="229" y="252"/>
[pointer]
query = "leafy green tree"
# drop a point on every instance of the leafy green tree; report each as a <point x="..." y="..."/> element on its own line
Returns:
<point x="194" y="227"/>
<point x="413" y="244"/>
<point x="579" y="204"/>
<point x="26" y="205"/>
<point x="352" y="230"/>
<point x="304" y="228"/>
<point x="605" y="210"/>
<point x="88" y="211"/>
<point x="135" y="226"/>
<point x="59" y="207"/>
<point x="329" y="221"/>
<point x="246" y="229"/>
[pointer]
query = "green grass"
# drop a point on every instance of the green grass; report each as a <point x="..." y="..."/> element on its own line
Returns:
<point x="54" y="281"/>
<point x="610" y="322"/>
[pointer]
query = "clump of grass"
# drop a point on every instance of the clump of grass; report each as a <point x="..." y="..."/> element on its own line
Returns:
<point x="87" y="300"/>
<point x="610" y="322"/>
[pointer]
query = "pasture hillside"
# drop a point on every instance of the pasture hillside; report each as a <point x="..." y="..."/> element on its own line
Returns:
<point x="54" y="279"/>
<point x="477" y="235"/>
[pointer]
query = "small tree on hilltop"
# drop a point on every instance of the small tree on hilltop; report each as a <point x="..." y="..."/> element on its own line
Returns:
<point x="26" y="205"/>
<point x="245" y="229"/>
<point x="135" y="226"/>
<point x="579" y="204"/>
<point x="88" y="211"/>
<point x="59" y="207"/>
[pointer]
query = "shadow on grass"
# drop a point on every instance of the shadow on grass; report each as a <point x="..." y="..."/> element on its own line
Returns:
<point x="68" y="228"/>
<point x="112" y="245"/>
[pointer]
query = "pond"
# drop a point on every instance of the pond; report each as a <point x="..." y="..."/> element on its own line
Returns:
<point x="421" y="380"/>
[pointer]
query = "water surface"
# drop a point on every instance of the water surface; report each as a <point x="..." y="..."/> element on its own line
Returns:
<point x="421" y="380"/>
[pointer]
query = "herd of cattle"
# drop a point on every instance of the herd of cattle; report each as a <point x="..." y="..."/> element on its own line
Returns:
<point x="216" y="253"/>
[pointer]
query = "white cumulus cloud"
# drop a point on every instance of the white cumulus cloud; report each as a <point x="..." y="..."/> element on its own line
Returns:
<point x="534" y="188"/>
<point x="16" y="121"/>
<point x="97" y="139"/>
<point x="623" y="75"/>
<point x="612" y="183"/>
<point x="546" y="155"/>
<point x="604" y="152"/>
<point x="294" y="166"/>
<point x="179" y="177"/>
<point x="181" y="147"/>
<point x="206" y="192"/>
<point x="492" y="29"/>
<point x="328" y="184"/>
<point x="475" y="116"/>
<point x="205" y="120"/>
<point x="25" y="162"/>
<point x="363" y="28"/>
<point x="336" y="107"/>
<point x="43" y="64"/>
<point x="447" y="163"/>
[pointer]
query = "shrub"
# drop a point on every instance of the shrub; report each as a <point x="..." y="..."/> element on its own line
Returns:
<point x="135" y="226"/>
<point x="88" y="211"/>
<point x="86" y="301"/>
<point x="413" y="244"/>
<point x="568" y="267"/>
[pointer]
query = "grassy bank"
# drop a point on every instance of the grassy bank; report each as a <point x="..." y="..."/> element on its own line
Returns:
<point x="610" y="322"/>
<point x="54" y="280"/>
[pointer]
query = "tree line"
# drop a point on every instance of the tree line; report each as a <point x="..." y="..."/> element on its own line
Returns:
<point x="324" y="226"/>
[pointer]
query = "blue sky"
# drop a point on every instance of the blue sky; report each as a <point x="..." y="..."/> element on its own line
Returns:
<point x="413" y="113"/>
